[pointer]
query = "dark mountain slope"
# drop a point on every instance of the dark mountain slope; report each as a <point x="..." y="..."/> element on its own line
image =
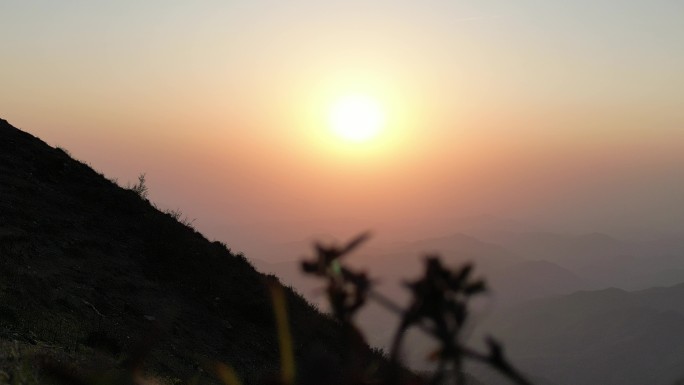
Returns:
<point x="89" y="269"/>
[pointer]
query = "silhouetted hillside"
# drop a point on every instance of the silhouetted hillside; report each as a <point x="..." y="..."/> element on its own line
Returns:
<point x="89" y="270"/>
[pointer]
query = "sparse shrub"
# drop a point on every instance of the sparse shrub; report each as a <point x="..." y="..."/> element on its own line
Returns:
<point x="177" y="214"/>
<point x="140" y="188"/>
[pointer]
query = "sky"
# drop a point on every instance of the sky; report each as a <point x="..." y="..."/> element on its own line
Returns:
<point x="565" y="115"/>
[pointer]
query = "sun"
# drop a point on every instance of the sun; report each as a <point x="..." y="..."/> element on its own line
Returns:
<point x="356" y="118"/>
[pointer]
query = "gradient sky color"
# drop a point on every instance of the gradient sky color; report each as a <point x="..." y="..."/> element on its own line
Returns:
<point x="564" y="113"/>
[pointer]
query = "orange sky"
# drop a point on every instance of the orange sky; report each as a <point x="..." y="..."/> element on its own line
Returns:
<point x="564" y="115"/>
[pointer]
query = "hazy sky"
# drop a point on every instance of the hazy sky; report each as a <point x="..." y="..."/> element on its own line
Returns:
<point x="564" y="113"/>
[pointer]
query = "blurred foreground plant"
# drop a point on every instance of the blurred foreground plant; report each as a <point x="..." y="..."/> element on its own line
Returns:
<point x="439" y="307"/>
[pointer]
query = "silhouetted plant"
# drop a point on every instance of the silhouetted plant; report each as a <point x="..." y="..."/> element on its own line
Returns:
<point x="178" y="215"/>
<point x="439" y="307"/>
<point x="347" y="290"/>
<point x="140" y="188"/>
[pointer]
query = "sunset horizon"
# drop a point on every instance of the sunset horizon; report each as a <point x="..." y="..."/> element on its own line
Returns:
<point x="542" y="142"/>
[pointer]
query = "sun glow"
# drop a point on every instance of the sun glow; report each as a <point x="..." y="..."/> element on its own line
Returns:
<point x="356" y="118"/>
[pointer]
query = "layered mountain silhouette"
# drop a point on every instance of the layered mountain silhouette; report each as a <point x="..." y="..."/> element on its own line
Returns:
<point x="604" y="260"/>
<point x="608" y="336"/>
<point x="93" y="275"/>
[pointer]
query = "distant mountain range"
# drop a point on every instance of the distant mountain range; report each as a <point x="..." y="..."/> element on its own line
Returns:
<point x="522" y="266"/>
<point x="604" y="260"/>
<point x="608" y="336"/>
